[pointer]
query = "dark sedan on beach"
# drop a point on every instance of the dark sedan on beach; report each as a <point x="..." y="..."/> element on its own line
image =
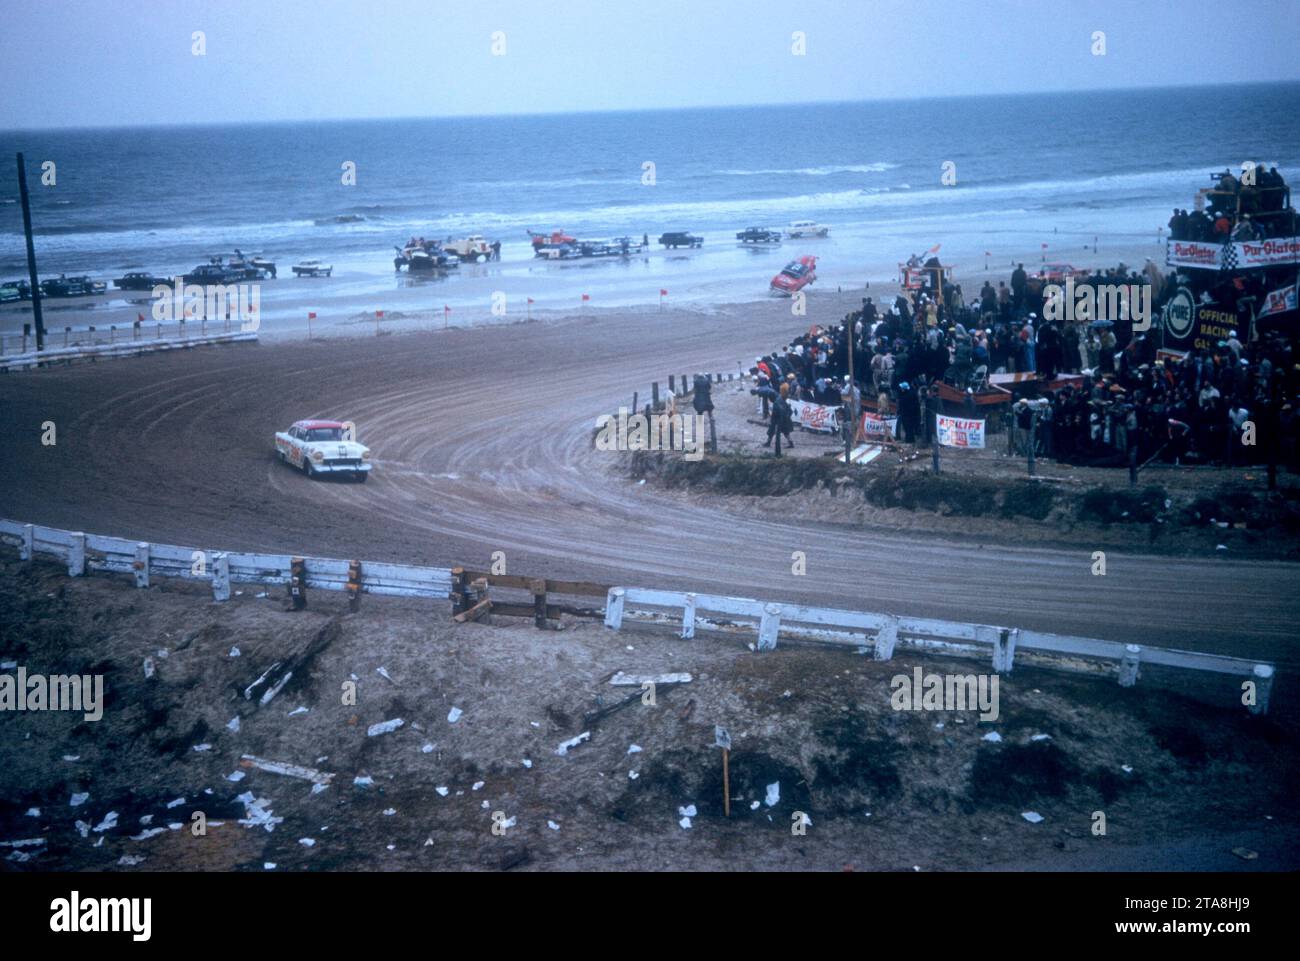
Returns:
<point x="139" y="280"/>
<point x="71" y="287"/>
<point x="759" y="235"/>
<point x="679" y="238"/>
<point x="212" y="274"/>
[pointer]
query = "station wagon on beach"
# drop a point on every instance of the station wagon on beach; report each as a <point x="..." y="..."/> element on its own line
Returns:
<point x="323" y="447"/>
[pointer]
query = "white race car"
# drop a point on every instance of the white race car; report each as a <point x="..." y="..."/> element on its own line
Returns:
<point x="323" y="447"/>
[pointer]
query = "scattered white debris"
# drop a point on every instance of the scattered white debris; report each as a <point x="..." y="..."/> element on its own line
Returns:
<point x="993" y="737"/>
<point x="146" y="819"/>
<point x="428" y="842"/>
<point x="634" y="749"/>
<point x="688" y="811"/>
<point x="307" y="842"/>
<point x="572" y="742"/>
<point x="233" y="724"/>
<point x="33" y="812"/>
<point x="83" y="828"/>
<point x="8" y="665"/>
<point x="938" y="726"/>
<point x="454" y="715"/>
<point x="236" y="776"/>
<point x="288" y="770"/>
<point x="296" y="711"/>
<point x="754" y="805"/>
<point x="1041" y="737"/>
<point x="427" y="749"/>
<point x="631" y="648"/>
<point x="72" y="757"/>
<point x="129" y="860"/>
<point x="526" y="763"/>
<point x="366" y="781"/>
<point x="25" y="843"/>
<point x="202" y="747"/>
<point x="78" y="799"/>
<point x="787" y="693"/>
<point x="317" y="788"/>
<point x="1126" y="768"/>
<point x="685" y="822"/>
<point x="389" y="812"/>
<point x="443" y="791"/>
<point x="633" y="775"/>
<point x="269" y="865"/>
<point x="508" y="822"/>
<point x="176" y="802"/>
<point x="275" y="689"/>
<point x="174" y="825"/>
<point x="1220" y="547"/>
<point x="109" y="822"/>
<point x="1033" y="817"/>
<point x="636" y="680"/>
<point x="384" y="727"/>
<point x="534" y="724"/>
<point x="383" y="672"/>
<point x="257" y="812"/>
<point x="262" y="594"/>
<point x="477" y="785"/>
<point x="485" y="805"/>
<point x="234" y="652"/>
<point x="552" y="825"/>
<point x="773" y="794"/>
<point x="148" y="667"/>
<point x="146" y="835"/>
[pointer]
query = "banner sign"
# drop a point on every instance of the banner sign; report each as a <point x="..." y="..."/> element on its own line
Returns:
<point x="960" y="432"/>
<point x="876" y="427"/>
<point x="1280" y="301"/>
<point x="1213" y="324"/>
<point x="1179" y="318"/>
<point x="1241" y="255"/>
<point x="815" y="416"/>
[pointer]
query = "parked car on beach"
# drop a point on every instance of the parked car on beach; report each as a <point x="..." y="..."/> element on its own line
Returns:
<point x="680" y="238"/>
<point x="15" y="290"/>
<point x="806" y="228"/>
<point x="63" y="286"/>
<point x="205" y="274"/>
<point x="312" y="268"/>
<point x="319" y="447"/>
<point x="139" y="280"/>
<point x="759" y="235"/>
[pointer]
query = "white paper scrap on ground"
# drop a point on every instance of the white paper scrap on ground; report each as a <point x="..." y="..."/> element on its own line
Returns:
<point x="175" y="802"/>
<point x="1033" y="817"/>
<point x="288" y="770"/>
<point x="109" y="822"/>
<point x="477" y="786"/>
<point x="992" y="736"/>
<point x="773" y="794"/>
<point x="688" y="811"/>
<point x="33" y="812"/>
<point x="307" y="842"/>
<point x="454" y="715"/>
<point x="442" y="790"/>
<point x="1041" y="737"/>
<point x="148" y="667"/>
<point x="83" y="828"/>
<point x="233" y="724"/>
<point x="296" y="711"/>
<point x="146" y="835"/>
<point x="427" y="749"/>
<point x="636" y="680"/>
<point x="384" y="727"/>
<point x="685" y="823"/>
<point x="754" y="805"/>
<point x="552" y="825"/>
<point x="363" y="781"/>
<point x="237" y="776"/>
<point x="572" y="742"/>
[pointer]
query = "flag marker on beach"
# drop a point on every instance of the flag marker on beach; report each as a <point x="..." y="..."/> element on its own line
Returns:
<point x="586" y="297"/>
<point x="663" y="292"/>
<point x="1044" y="253"/>
<point x="311" y="315"/>
<point x="530" y="308"/>
<point x="446" y="316"/>
<point x="987" y="255"/>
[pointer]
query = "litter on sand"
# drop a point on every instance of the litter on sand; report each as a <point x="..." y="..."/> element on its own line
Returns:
<point x="572" y="742"/>
<point x="288" y="770"/>
<point x="993" y="737"/>
<point x="307" y="842"/>
<point x="636" y="680"/>
<point x="454" y="715"/>
<point x="1033" y="817"/>
<point x="109" y="822"/>
<point x="773" y="794"/>
<point x="442" y="790"/>
<point x="552" y="825"/>
<point x="233" y="724"/>
<point x="384" y="727"/>
<point x="634" y="749"/>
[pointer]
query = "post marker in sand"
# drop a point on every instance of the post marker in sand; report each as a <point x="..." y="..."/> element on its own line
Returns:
<point x="722" y="739"/>
<point x="1044" y="253"/>
<point x="586" y="297"/>
<point x="530" y="308"/>
<point x="663" y="292"/>
<point x="446" y="316"/>
<point x="311" y="315"/>
<point x="987" y="255"/>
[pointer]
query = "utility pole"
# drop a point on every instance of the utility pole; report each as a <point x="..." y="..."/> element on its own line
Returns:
<point x="850" y="415"/>
<point x="31" y="256"/>
<point x="934" y="423"/>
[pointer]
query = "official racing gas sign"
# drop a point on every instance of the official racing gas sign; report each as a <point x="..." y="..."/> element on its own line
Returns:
<point x="961" y="432"/>
<point x="816" y="417"/>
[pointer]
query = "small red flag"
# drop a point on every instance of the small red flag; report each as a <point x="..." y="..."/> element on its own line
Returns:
<point x="139" y="317"/>
<point x="446" y="309"/>
<point x="663" y="292"/>
<point x="1044" y="246"/>
<point x="586" y="296"/>
<point x="379" y="313"/>
<point x="311" y="315"/>
<point x="987" y="254"/>
<point x="531" y="301"/>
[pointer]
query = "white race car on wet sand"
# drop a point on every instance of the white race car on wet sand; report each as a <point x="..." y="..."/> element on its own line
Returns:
<point x="323" y="447"/>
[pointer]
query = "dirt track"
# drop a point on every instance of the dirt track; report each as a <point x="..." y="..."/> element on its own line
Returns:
<point x="482" y="440"/>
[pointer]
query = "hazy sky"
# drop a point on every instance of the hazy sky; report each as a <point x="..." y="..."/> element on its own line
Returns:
<point x="119" y="62"/>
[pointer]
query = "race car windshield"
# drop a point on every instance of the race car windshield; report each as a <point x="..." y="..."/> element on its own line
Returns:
<point x="325" y="433"/>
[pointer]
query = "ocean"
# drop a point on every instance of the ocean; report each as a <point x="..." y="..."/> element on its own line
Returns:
<point x="1060" y="169"/>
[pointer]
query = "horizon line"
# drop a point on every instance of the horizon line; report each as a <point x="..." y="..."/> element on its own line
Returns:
<point x="163" y="125"/>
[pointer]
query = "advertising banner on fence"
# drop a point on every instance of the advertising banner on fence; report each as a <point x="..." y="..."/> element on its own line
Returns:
<point x="1241" y="255"/>
<point x="815" y="416"/>
<point x="961" y="432"/>
<point x="1280" y="301"/>
<point x="876" y="427"/>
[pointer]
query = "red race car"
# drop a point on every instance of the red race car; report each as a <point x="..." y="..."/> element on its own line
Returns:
<point x="796" y="275"/>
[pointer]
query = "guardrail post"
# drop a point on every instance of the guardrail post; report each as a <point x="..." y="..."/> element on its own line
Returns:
<point x="220" y="576"/>
<point x="886" y="638"/>
<point x="77" y="555"/>
<point x="1004" y="650"/>
<point x="459" y="591"/>
<point x="1263" y="675"/>
<point x="769" y="627"/>
<point x="614" y="608"/>
<point x="688" y="618"/>
<point x="141" y="564"/>
<point x="537" y="586"/>
<point x="1128" y="666"/>
<point x="297" y="583"/>
<point x="27" y="548"/>
<point x="354" y="586"/>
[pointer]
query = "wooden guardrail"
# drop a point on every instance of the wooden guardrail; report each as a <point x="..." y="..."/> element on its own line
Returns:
<point x="122" y="348"/>
<point x="468" y="591"/>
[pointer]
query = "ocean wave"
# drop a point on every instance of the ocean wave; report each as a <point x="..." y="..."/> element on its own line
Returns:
<point x="874" y="168"/>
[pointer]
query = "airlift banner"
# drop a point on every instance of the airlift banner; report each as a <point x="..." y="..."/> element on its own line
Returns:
<point x="1239" y="255"/>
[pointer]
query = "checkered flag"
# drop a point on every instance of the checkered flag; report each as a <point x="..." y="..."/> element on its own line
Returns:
<point x="1228" y="257"/>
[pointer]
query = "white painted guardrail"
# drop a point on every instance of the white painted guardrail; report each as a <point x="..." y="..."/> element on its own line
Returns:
<point x="124" y="348"/>
<point x="883" y="633"/>
<point x="93" y="552"/>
